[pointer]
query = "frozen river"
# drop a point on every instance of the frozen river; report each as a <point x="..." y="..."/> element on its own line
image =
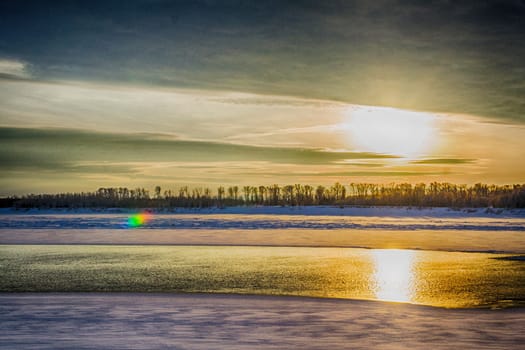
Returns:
<point x="224" y="274"/>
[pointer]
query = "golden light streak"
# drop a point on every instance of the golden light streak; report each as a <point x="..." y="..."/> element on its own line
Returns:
<point x="393" y="275"/>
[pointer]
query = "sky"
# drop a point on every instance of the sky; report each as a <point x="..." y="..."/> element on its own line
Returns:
<point x="208" y="93"/>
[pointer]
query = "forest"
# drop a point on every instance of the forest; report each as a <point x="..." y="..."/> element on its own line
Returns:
<point x="434" y="194"/>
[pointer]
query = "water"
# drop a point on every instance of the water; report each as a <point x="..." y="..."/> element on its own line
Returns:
<point x="445" y="279"/>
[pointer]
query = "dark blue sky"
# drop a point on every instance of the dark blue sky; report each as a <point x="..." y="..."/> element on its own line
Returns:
<point x="451" y="56"/>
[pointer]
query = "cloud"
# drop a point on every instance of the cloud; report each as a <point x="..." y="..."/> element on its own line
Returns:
<point x="13" y="69"/>
<point x="53" y="159"/>
<point x="37" y="160"/>
<point x="444" y="161"/>
<point x="188" y="114"/>
<point x="461" y="57"/>
<point x="48" y="148"/>
<point x="364" y="174"/>
<point x="254" y="100"/>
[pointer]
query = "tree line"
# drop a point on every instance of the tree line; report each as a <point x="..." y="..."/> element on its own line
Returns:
<point x="435" y="194"/>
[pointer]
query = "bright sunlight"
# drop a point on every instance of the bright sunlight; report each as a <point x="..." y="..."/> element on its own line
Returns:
<point x="393" y="274"/>
<point x="392" y="131"/>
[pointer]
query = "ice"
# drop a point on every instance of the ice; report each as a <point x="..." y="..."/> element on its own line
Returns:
<point x="317" y="218"/>
<point x="153" y="321"/>
<point x="376" y="227"/>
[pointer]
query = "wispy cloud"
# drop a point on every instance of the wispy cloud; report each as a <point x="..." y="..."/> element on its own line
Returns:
<point x="189" y="114"/>
<point x="13" y="69"/>
<point x="23" y="147"/>
<point x="444" y="161"/>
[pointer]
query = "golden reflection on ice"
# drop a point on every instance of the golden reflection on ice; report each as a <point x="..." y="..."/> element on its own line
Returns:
<point x="393" y="274"/>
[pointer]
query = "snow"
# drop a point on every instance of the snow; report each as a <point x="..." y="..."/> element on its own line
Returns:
<point x="465" y="241"/>
<point x="381" y="211"/>
<point x="171" y="321"/>
<point x="436" y="229"/>
<point x="262" y="221"/>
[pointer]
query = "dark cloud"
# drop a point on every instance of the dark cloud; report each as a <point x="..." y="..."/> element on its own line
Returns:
<point x="452" y="56"/>
<point x="444" y="161"/>
<point x="70" y="150"/>
<point x="350" y="174"/>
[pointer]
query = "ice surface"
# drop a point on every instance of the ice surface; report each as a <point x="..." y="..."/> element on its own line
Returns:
<point x="376" y="227"/>
<point x="153" y="321"/>
<point x="353" y="218"/>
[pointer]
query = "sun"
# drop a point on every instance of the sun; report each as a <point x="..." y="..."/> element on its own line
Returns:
<point x="392" y="131"/>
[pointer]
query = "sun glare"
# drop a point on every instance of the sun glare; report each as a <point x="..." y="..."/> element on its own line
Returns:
<point x="393" y="274"/>
<point x="392" y="131"/>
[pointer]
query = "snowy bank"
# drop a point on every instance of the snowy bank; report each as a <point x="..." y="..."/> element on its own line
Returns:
<point x="306" y="210"/>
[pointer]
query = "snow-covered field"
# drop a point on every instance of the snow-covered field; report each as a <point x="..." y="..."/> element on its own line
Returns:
<point x="156" y="321"/>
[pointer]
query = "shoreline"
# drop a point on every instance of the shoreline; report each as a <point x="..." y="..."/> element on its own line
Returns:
<point x="257" y="297"/>
<point x="284" y="298"/>
<point x="514" y="255"/>
<point x="381" y="211"/>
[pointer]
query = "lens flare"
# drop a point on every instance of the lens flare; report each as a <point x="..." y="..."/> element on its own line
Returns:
<point x="138" y="220"/>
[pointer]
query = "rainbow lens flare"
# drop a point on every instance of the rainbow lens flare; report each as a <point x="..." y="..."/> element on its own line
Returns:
<point x="138" y="220"/>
